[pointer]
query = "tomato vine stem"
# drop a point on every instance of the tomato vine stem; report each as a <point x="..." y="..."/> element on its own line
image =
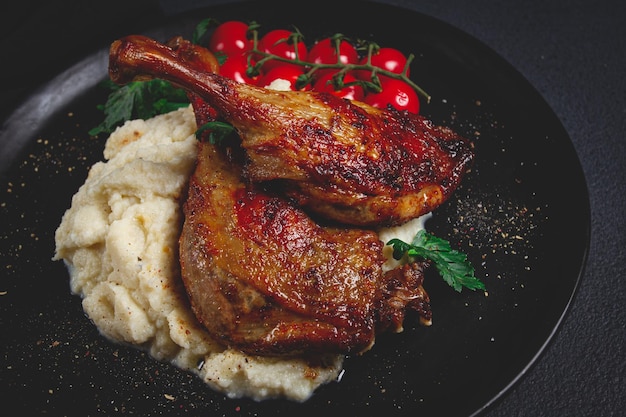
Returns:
<point x="375" y="85"/>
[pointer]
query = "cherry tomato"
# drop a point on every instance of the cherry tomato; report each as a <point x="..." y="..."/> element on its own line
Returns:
<point x="324" y="52"/>
<point x="397" y="93"/>
<point x="351" y="92"/>
<point x="277" y="42"/>
<point x="235" y="68"/>
<point x="389" y="59"/>
<point x="230" y="38"/>
<point x="284" y="72"/>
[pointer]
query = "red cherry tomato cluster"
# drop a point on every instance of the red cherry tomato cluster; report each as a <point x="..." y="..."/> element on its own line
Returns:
<point x="232" y="40"/>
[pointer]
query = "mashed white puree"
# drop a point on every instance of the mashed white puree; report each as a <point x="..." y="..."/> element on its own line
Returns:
<point x="119" y="240"/>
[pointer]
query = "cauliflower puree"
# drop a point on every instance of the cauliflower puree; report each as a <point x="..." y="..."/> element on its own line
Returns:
<point x="119" y="240"/>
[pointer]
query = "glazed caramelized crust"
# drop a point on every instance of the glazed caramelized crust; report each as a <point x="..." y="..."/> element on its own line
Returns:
<point x="264" y="277"/>
<point x="339" y="159"/>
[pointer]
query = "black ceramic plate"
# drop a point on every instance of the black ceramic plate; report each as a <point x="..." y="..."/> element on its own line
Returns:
<point x="522" y="215"/>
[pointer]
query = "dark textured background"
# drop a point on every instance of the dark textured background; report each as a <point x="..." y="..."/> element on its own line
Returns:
<point x="573" y="52"/>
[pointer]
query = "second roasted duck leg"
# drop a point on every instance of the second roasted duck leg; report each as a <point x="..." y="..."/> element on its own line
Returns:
<point x="343" y="160"/>
<point x="266" y="279"/>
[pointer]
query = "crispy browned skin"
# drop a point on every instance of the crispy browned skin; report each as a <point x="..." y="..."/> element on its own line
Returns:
<point x="266" y="279"/>
<point x="343" y="160"/>
<point x="263" y="277"/>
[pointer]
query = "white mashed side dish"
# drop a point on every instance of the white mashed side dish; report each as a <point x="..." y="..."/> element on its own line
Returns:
<point x="119" y="240"/>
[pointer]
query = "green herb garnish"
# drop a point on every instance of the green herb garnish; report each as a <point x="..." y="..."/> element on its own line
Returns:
<point x="138" y="100"/>
<point x="201" y="29"/>
<point x="452" y="265"/>
<point x="217" y="131"/>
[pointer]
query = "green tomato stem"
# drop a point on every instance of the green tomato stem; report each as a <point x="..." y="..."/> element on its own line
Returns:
<point x="372" y="86"/>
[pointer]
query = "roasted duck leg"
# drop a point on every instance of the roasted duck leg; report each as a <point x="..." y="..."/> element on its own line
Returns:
<point x="342" y="160"/>
<point x="266" y="279"/>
